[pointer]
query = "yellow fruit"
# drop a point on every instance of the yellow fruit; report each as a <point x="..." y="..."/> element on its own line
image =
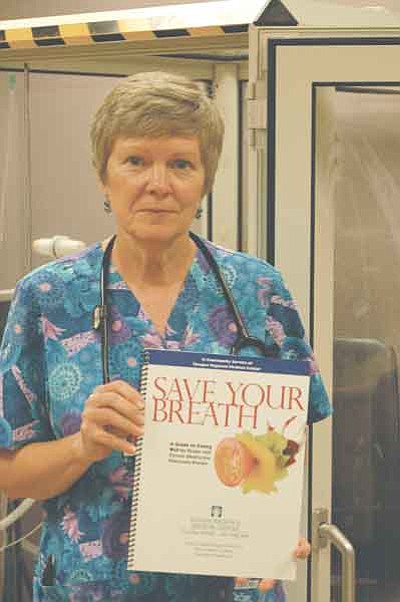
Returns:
<point x="263" y="475"/>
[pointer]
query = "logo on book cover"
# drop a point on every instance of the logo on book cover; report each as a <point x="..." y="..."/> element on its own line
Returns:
<point x="216" y="511"/>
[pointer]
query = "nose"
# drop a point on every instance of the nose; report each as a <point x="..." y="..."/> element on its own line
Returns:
<point x="158" y="179"/>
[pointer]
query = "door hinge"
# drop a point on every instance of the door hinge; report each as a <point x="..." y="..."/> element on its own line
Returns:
<point x="256" y="109"/>
<point x="257" y="114"/>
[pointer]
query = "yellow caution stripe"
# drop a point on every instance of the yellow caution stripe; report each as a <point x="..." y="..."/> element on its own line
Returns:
<point x="105" y="31"/>
<point x="20" y="38"/>
<point x="76" y="34"/>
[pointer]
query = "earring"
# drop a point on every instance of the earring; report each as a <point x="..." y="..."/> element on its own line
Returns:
<point x="199" y="212"/>
<point x="107" y="205"/>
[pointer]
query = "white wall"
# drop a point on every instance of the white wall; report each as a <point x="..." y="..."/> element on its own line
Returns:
<point x="61" y="195"/>
<point x="12" y="181"/>
<point x="66" y="198"/>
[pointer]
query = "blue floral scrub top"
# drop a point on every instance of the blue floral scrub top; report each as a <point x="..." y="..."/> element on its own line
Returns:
<point x="50" y="362"/>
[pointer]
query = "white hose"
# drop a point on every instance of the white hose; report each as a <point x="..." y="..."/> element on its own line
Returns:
<point x="16" y="514"/>
<point x="58" y="246"/>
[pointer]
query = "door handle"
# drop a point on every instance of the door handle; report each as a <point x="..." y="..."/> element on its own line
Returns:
<point x="324" y="533"/>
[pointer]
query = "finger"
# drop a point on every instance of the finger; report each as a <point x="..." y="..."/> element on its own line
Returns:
<point x="123" y="389"/>
<point x="118" y="402"/>
<point x="114" y="401"/>
<point x="120" y="434"/>
<point x="114" y="442"/>
<point x="266" y="584"/>
<point x="108" y="417"/>
<point x="305" y="546"/>
<point x="303" y="549"/>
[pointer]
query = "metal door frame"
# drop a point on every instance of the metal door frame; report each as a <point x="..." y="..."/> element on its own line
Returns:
<point x="288" y="218"/>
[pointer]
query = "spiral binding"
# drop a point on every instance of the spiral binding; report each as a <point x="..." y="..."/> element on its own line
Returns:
<point x="137" y="470"/>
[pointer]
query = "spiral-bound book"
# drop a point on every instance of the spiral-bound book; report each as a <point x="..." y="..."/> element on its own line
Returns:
<point x="218" y="475"/>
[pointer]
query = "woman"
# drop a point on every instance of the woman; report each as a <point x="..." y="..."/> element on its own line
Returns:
<point x="156" y="142"/>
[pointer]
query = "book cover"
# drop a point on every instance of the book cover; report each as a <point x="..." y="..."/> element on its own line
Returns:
<point x="219" y="471"/>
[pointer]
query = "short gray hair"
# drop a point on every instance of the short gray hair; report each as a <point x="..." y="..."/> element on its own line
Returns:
<point x="158" y="104"/>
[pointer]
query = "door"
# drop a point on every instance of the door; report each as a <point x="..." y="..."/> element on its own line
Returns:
<point x="332" y="190"/>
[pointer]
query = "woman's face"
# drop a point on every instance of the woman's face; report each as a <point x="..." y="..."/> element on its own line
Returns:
<point x="155" y="186"/>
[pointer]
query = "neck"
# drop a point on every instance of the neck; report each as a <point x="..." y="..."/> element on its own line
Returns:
<point x="148" y="263"/>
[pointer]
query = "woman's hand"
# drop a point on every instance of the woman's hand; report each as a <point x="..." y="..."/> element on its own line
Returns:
<point x="113" y="415"/>
<point x="303" y="549"/>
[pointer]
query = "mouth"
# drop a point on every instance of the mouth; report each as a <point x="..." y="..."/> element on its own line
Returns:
<point x="156" y="211"/>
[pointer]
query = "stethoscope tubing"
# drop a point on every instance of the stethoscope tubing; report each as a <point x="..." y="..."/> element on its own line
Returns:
<point x="100" y="314"/>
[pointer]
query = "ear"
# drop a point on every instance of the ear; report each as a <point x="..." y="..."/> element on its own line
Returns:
<point x="102" y="185"/>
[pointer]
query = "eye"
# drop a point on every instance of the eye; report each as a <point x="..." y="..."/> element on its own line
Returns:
<point x="181" y="164"/>
<point x="135" y="160"/>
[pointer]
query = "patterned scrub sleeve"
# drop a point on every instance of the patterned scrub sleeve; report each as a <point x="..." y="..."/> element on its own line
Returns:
<point x="284" y="327"/>
<point x="23" y="415"/>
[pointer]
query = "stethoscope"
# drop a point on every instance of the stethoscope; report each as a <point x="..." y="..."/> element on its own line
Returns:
<point x="100" y="312"/>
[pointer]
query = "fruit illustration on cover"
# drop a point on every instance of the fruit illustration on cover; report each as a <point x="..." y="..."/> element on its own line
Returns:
<point x="255" y="462"/>
<point x="233" y="461"/>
